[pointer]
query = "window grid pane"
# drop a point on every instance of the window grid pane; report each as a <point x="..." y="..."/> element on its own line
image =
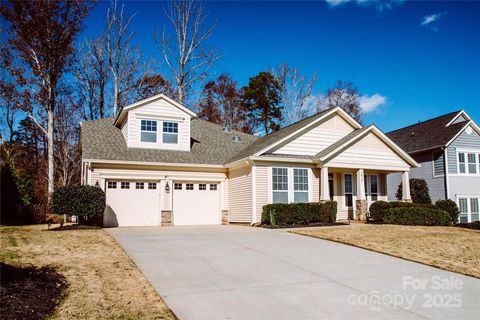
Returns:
<point x="112" y="185"/>
<point x="348" y="184"/>
<point x="279" y="179"/>
<point x="139" y="185"/>
<point x="149" y="125"/>
<point x="462" y="205"/>
<point x="202" y="186"/>
<point x="373" y="184"/>
<point x="177" y="186"/>
<point x="125" y="185"/>
<point x="213" y="187"/>
<point x="189" y="186"/>
<point x="170" y="127"/>
<point x="474" y="205"/>
<point x="152" y="185"/>
<point x="300" y="179"/>
<point x="461" y="161"/>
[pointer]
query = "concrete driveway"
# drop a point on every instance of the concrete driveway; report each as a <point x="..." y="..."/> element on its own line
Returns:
<point x="234" y="272"/>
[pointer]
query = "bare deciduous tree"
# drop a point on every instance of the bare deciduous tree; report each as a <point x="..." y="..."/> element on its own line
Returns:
<point x="124" y="58"/>
<point x="43" y="34"/>
<point x="92" y="72"/>
<point x="295" y="90"/>
<point x="186" y="56"/>
<point x="344" y="95"/>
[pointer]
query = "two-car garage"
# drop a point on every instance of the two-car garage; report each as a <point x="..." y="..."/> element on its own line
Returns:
<point x="140" y="203"/>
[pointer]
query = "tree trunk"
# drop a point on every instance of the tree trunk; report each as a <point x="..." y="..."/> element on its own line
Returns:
<point x="180" y="94"/>
<point x="50" y="151"/>
<point x="115" y="94"/>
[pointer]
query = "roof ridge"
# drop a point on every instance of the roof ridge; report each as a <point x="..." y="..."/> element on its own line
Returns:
<point x="424" y="121"/>
<point x="219" y="125"/>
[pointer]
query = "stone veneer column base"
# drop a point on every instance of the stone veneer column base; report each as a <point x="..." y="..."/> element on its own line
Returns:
<point x="167" y="218"/>
<point x="361" y="211"/>
<point x="407" y="200"/>
<point x="225" y="217"/>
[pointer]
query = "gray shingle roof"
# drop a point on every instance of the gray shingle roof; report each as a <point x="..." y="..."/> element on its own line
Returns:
<point x="428" y="134"/>
<point x="101" y="140"/>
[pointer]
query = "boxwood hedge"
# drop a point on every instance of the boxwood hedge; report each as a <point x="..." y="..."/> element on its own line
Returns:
<point x="291" y="214"/>
<point x="86" y="202"/>
<point x="417" y="216"/>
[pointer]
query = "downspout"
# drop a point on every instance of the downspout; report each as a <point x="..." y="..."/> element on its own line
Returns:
<point x="445" y="164"/>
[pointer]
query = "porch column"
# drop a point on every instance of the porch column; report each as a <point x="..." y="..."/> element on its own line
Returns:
<point x="361" y="202"/>
<point x="324" y="190"/>
<point x="406" y="187"/>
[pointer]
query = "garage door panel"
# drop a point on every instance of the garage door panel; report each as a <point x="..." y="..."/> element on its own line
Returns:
<point x="196" y="203"/>
<point x="132" y="206"/>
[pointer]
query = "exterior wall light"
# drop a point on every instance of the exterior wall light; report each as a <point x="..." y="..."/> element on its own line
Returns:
<point x="167" y="188"/>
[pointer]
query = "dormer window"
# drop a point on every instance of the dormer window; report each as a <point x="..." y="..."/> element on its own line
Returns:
<point x="170" y="132"/>
<point x="148" y="131"/>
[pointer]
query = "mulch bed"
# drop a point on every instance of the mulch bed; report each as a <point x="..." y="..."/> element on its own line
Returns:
<point x="28" y="292"/>
<point x="323" y="224"/>
<point x="73" y="227"/>
<point x="471" y="225"/>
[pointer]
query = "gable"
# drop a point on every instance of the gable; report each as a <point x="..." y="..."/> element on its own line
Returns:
<point x="318" y="138"/>
<point x="460" y="118"/>
<point x="468" y="138"/>
<point x="370" y="152"/>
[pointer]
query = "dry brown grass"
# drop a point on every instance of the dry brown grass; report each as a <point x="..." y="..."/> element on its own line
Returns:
<point x="449" y="248"/>
<point x="104" y="283"/>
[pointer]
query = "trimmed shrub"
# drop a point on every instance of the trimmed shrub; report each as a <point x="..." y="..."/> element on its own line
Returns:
<point x="418" y="190"/>
<point x="86" y="202"/>
<point x="378" y="209"/>
<point x="291" y="214"/>
<point x="417" y="216"/>
<point x="449" y="206"/>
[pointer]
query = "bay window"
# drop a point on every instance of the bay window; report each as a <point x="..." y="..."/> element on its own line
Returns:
<point x="279" y="185"/>
<point x="300" y="185"/>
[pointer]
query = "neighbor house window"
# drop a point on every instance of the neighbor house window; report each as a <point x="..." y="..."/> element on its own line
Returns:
<point x="374" y="187"/>
<point x="348" y="188"/>
<point x="112" y="185"/>
<point x="279" y="185"/>
<point x="189" y="186"/>
<point x="152" y="185"/>
<point x="125" y="185"/>
<point x="461" y="163"/>
<point x="202" y="186"/>
<point x="139" y="185"/>
<point x="170" y="132"/>
<point x="148" y="131"/>
<point x="300" y="185"/>
<point x="463" y="206"/>
<point x="177" y="186"/>
<point x="474" y="212"/>
<point x="213" y="187"/>
<point x="472" y="163"/>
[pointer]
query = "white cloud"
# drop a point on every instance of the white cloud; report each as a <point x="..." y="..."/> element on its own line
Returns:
<point x="380" y="5"/>
<point x="370" y="103"/>
<point x="427" y="20"/>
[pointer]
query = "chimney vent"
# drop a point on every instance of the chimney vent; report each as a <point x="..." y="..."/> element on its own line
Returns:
<point x="236" y="138"/>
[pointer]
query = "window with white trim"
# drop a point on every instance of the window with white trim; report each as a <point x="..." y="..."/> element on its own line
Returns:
<point x="348" y="189"/>
<point x="374" y="187"/>
<point x="112" y="185"/>
<point x="139" y="185"/>
<point x="148" y="131"/>
<point x="170" y="132"/>
<point x="474" y="211"/>
<point x="463" y="206"/>
<point x="472" y="163"/>
<point x="189" y="186"/>
<point x="213" y="187"/>
<point x="279" y="185"/>
<point x="202" y="186"/>
<point x="177" y="186"/>
<point x="300" y="185"/>
<point x="125" y="185"/>
<point x="461" y="163"/>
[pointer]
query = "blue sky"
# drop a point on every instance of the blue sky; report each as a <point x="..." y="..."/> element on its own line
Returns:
<point x="421" y="59"/>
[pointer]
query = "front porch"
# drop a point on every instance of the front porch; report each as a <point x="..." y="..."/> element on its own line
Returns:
<point x="355" y="190"/>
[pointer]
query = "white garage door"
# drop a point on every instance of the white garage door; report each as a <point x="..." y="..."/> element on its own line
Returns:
<point x="196" y="203"/>
<point x="132" y="203"/>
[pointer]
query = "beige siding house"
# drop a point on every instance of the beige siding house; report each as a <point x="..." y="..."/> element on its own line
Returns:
<point x="160" y="165"/>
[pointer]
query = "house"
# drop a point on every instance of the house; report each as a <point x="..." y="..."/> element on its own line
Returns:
<point x="448" y="150"/>
<point x="160" y="165"/>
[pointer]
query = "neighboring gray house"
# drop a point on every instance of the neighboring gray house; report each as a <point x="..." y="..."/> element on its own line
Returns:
<point x="448" y="151"/>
